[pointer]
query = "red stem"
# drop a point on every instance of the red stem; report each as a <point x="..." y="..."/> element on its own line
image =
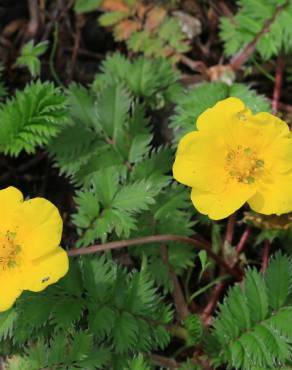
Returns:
<point x="242" y="242"/>
<point x="278" y="83"/>
<point x="177" y="293"/>
<point x="266" y="252"/>
<point x="158" y="239"/>
<point x="230" y="228"/>
<point x="239" y="59"/>
<point x="214" y="298"/>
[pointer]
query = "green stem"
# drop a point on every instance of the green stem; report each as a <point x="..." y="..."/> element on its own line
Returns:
<point x="52" y="56"/>
<point x="206" y="287"/>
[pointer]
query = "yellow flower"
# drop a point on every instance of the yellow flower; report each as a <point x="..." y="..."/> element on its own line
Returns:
<point x="30" y="256"/>
<point x="236" y="157"/>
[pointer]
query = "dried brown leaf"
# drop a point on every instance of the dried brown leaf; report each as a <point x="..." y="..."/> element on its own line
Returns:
<point x="125" y="29"/>
<point x="114" y="6"/>
<point x="141" y="10"/>
<point x="222" y="73"/>
<point x="270" y="222"/>
<point x="154" y="18"/>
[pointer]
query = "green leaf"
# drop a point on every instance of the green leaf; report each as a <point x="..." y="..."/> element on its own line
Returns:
<point x="89" y="202"/>
<point x="57" y="349"/>
<point x="97" y="359"/>
<point x="137" y="363"/>
<point x="134" y="197"/>
<point x="194" y="327"/>
<point x="257" y="298"/>
<point x="125" y="332"/>
<point x="139" y="147"/>
<point x="98" y="277"/>
<point x="112" y="108"/>
<point x="246" y="334"/>
<point x="242" y="28"/>
<point x="81" y="346"/>
<point x="143" y="79"/>
<point x="32" y="118"/>
<point x="19" y="363"/>
<point x="204" y="262"/>
<point x="81" y="104"/>
<point x="257" y="103"/>
<point x="7" y="320"/>
<point x="29" y="56"/>
<point x="279" y="280"/>
<point x="67" y="312"/>
<point x="111" y="18"/>
<point x="194" y="102"/>
<point x="84" y="6"/>
<point x="37" y="355"/>
<point x="101" y="320"/>
<point x="105" y="184"/>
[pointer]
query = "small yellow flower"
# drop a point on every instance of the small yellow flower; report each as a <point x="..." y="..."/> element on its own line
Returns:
<point x="236" y="157"/>
<point x="30" y="256"/>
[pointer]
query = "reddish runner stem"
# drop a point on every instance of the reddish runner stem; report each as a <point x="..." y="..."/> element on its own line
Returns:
<point x="169" y="363"/>
<point x="242" y="242"/>
<point x="214" y="298"/>
<point x="177" y="293"/>
<point x="278" y="83"/>
<point x="239" y="59"/>
<point x="230" y="228"/>
<point x="266" y="253"/>
<point x="158" y="239"/>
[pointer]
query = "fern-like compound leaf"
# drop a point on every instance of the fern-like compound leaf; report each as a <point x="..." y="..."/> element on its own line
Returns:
<point x="31" y="118"/>
<point x="254" y="325"/>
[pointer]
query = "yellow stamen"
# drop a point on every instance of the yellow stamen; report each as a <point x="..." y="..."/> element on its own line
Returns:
<point x="9" y="251"/>
<point x="243" y="165"/>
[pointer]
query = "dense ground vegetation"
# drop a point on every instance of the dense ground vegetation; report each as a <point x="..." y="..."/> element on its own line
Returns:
<point x="95" y="96"/>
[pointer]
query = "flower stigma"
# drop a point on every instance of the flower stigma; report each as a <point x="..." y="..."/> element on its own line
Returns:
<point x="243" y="165"/>
<point x="9" y="250"/>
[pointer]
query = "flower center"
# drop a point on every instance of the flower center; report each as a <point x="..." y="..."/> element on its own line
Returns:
<point x="9" y="251"/>
<point x="243" y="165"/>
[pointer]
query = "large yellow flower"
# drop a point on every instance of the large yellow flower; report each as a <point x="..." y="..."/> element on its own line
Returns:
<point x="30" y="256"/>
<point x="234" y="157"/>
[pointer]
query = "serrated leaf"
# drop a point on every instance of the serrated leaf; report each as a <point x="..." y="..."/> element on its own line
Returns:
<point x="134" y="197"/>
<point x="137" y="363"/>
<point x="279" y="280"/>
<point x="256" y="292"/>
<point x="31" y="118"/>
<point x="111" y="18"/>
<point x="105" y="183"/>
<point x="112" y="108"/>
<point x="29" y="56"/>
<point x="257" y="103"/>
<point x="82" y="106"/>
<point x="66" y="312"/>
<point x="139" y="147"/>
<point x="57" y="349"/>
<point x="97" y="359"/>
<point x="125" y="332"/>
<point x="101" y="320"/>
<point x="85" y="6"/>
<point x="7" y="320"/>
<point x="81" y="346"/>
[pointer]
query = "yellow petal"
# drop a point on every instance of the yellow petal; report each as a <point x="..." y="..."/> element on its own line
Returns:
<point x="199" y="161"/>
<point x="44" y="271"/>
<point x="273" y="195"/>
<point x="39" y="227"/>
<point x="276" y="141"/>
<point x="223" y="115"/>
<point x="10" y="290"/>
<point x="218" y="206"/>
<point x="10" y="200"/>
